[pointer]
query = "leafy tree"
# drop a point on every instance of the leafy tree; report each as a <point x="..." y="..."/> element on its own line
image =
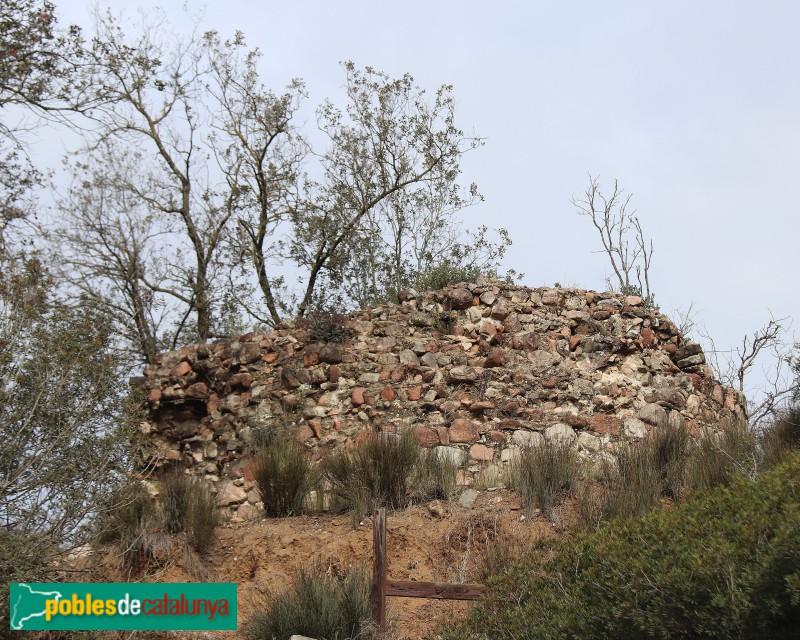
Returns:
<point x="204" y="234"/>
<point x="62" y="397"/>
<point x="390" y="149"/>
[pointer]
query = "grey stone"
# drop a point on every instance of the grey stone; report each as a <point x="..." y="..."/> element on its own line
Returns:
<point x="653" y="414"/>
<point x="560" y="434"/>
<point x="409" y="358"/>
<point x="429" y="360"/>
<point x="634" y="428"/>
<point x="453" y="455"/>
<point x="692" y="361"/>
<point x="467" y="497"/>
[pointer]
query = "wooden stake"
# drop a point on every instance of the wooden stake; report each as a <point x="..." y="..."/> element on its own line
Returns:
<point x="378" y="595"/>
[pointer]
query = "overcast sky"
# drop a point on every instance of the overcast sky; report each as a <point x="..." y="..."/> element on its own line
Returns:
<point x="692" y="106"/>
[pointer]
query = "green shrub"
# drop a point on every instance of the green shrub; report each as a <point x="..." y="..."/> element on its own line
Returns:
<point x="724" y="564"/>
<point x="543" y="473"/>
<point x="376" y="474"/>
<point x="319" y="606"/>
<point x="24" y="557"/>
<point x="284" y="476"/>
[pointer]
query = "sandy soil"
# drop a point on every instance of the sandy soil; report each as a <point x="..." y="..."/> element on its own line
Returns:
<point x="262" y="556"/>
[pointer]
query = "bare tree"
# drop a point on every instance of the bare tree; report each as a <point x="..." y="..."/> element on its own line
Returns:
<point x="769" y="347"/>
<point x="152" y="96"/>
<point x="623" y="240"/>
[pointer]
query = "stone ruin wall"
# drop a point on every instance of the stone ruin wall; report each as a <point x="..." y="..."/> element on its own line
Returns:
<point x="478" y="370"/>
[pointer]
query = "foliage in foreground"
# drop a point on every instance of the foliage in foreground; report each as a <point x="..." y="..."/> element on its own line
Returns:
<point x="319" y="605"/>
<point x="725" y="564"/>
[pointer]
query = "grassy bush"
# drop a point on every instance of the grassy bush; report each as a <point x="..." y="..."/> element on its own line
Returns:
<point x="142" y="527"/>
<point x="724" y="564"/>
<point x="325" y="326"/>
<point x="434" y="476"/>
<point x="641" y="475"/>
<point x="284" y="476"/>
<point x="441" y="274"/>
<point x="319" y="606"/>
<point x="187" y="505"/>
<point x="781" y="437"/>
<point x="132" y="520"/>
<point x="376" y="474"/>
<point x="542" y="474"/>
<point x="716" y="459"/>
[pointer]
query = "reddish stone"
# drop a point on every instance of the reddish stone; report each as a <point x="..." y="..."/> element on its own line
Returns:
<point x="481" y="405"/>
<point x="574" y="341"/>
<point x="670" y="348"/>
<point x="387" y="394"/>
<point x="603" y="423"/>
<point x="415" y="393"/>
<point x="249" y="471"/>
<point x="444" y="435"/>
<point x="648" y="337"/>
<point x="716" y="394"/>
<point x="575" y="421"/>
<point x="494" y="359"/>
<point x="310" y="359"/>
<point x="213" y="403"/>
<point x="154" y="395"/>
<point x="496" y="436"/>
<point x="333" y="373"/>
<point x="481" y="452"/>
<point x="511" y="425"/>
<point x="590" y="296"/>
<point x="358" y="396"/>
<point x="463" y="430"/>
<point x="425" y="436"/>
<point x="316" y="427"/>
<point x="550" y="383"/>
<point x="181" y="369"/>
<point x="269" y="358"/>
<point x="197" y="390"/>
<point x="240" y="380"/>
